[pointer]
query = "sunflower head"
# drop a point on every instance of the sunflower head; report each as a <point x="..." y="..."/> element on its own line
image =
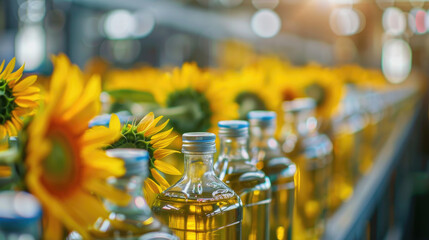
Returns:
<point x="192" y="100"/>
<point x="18" y="98"/>
<point x="66" y="167"/>
<point x="149" y="135"/>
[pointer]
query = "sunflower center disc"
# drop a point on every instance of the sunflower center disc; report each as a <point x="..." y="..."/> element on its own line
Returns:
<point x="7" y="102"/>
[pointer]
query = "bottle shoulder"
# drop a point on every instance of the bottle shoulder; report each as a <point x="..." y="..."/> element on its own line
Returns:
<point x="207" y="189"/>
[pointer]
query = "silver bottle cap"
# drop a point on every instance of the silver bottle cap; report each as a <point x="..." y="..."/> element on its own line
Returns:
<point x="233" y="128"/>
<point x="262" y="118"/>
<point x="201" y="142"/>
<point x="135" y="160"/>
<point x="299" y="104"/>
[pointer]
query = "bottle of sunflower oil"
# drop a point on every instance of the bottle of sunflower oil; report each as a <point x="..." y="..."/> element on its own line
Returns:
<point x="200" y="205"/>
<point x="134" y="221"/>
<point x="312" y="153"/>
<point x="267" y="156"/>
<point x="235" y="169"/>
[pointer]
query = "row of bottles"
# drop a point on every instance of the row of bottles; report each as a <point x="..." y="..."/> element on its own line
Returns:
<point x="250" y="192"/>
<point x="253" y="191"/>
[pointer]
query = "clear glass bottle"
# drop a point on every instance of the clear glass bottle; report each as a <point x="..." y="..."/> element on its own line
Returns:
<point x="267" y="156"/>
<point x="134" y="221"/>
<point x="200" y="205"/>
<point x="235" y="169"/>
<point x="312" y="153"/>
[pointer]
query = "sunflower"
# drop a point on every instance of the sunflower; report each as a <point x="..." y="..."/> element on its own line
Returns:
<point x="18" y="98"/>
<point x="192" y="100"/>
<point x="66" y="166"/>
<point x="150" y="136"/>
<point x="250" y="89"/>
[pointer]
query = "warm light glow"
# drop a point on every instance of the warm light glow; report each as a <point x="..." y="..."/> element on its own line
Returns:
<point x="119" y="24"/>
<point x="396" y="60"/>
<point x="266" y="23"/>
<point x="346" y="21"/>
<point x="30" y="46"/>
<point x="394" y="21"/>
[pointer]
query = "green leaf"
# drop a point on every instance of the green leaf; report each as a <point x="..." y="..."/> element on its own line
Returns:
<point x="131" y="95"/>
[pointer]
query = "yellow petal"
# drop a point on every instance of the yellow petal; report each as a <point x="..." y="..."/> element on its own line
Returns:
<point x="29" y="91"/>
<point x="26" y="103"/>
<point x="166" y="168"/>
<point x="115" y="123"/>
<point x="3" y="132"/>
<point x="107" y="191"/>
<point x="9" y="68"/>
<point x="159" y="178"/>
<point x="52" y="227"/>
<point x="161" y="135"/>
<point x="164" y="143"/>
<point x="11" y="129"/>
<point x="162" y="153"/>
<point x="148" y="119"/>
<point x="16" y="75"/>
<point x="2" y="65"/>
<point x="155" y="130"/>
<point x="33" y="97"/>
<point x="25" y="83"/>
<point x="99" y="136"/>
<point x="5" y="171"/>
<point x="149" y="183"/>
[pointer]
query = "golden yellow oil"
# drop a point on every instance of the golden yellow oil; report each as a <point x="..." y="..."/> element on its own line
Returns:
<point x="253" y="187"/>
<point x="280" y="171"/>
<point x="195" y="219"/>
<point x="115" y="227"/>
<point x="310" y="211"/>
<point x="343" y="180"/>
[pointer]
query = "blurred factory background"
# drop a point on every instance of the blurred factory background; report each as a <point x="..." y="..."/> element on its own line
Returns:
<point x="372" y="33"/>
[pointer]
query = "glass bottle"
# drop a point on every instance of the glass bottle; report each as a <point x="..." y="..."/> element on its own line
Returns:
<point x="134" y="221"/>
<point x="200" y="205"/>
<point x="267" y="156"/>
<point x="235" y="169"/>
<point x="312" y="153"/>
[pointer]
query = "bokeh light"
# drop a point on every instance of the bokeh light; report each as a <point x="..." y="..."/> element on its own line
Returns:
<point x="396" y="60"/>
<point x="417" y="20"/>
<point x="145" y="23"/>
<point x="266" y="23"/>
<point x="30" y="46"/>
<point x="346" y="21"/>
<point x="394" y="21"/>
<point x="119" y="24"/>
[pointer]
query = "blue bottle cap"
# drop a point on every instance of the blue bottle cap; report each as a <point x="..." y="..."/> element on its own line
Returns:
<point x="262" y="118"/>
<point x="233" y="128"/>
<point x="202" y="142"/>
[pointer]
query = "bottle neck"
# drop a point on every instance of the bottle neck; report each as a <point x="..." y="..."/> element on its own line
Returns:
<point x="261" y="134"/>
<point x="198" y="165"/>
<point x="302" y="123"/>
<point x="132" y="185"/>
<point x="234" y="148"/>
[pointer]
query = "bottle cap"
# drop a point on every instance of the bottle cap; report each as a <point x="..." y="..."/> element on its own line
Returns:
<point x="202" y="142"/>
<point x="262" y="118"/>
<point x="299" y="104"/>
<point x="135" y="160"/>
<point x="233" y="128"/>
